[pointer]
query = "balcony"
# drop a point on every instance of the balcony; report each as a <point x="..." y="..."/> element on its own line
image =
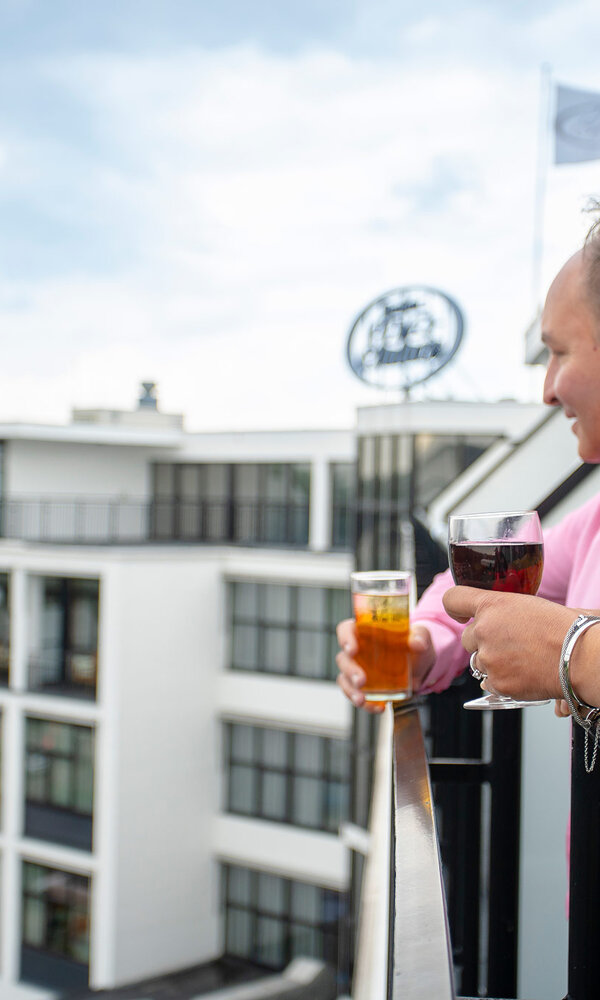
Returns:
<point x="404" y="949"/>
<point x="69" y="674"/>
<point x="63" y="635"/>
<point x="116" y="521"/>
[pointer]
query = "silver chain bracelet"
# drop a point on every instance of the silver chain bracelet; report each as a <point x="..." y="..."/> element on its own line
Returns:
<point x="585" y="715"/>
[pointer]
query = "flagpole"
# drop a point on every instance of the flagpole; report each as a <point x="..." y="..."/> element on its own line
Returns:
<point x="540" y="182"/>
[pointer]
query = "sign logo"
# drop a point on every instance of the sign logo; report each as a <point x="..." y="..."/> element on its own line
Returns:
<point x="404" y="337"/>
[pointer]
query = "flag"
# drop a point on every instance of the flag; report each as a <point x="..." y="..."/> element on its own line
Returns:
<point x="576" y="125"/>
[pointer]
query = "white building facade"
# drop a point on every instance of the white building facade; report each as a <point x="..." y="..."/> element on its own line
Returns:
<point x="151" y="722"/>
<point x="175" y="752"/>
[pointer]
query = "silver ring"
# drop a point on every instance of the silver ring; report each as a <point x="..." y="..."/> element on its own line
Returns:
<point x="477" y="674"/>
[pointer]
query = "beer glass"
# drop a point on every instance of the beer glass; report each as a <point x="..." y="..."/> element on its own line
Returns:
<point x="382" y="602"/>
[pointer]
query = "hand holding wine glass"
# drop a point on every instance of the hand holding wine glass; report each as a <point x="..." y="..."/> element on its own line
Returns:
<point x="499" y="551"/>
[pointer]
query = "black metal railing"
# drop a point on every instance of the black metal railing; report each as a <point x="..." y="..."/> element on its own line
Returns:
<point x="421" y="963"/>
<point x="105" y="520"/>
<point x="66" y="672"/>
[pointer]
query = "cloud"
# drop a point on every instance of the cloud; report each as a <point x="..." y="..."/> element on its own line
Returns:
<point x="214" y="219"/>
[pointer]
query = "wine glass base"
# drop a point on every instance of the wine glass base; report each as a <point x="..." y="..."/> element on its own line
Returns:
<point x="497" y="702"/>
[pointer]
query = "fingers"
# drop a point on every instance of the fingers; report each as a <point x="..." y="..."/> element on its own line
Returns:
<point x="419" y="639"/>
<point x="356" y="696"/>
<point x="461" y="603"/>
<point x="346" y="636"/>
<point x="561" y="709"/>
<point x="468" y="639"/>
<point x="351" y="677"/>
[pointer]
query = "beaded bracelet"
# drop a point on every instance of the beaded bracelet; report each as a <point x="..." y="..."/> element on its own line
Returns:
<point x="585" y="715"/>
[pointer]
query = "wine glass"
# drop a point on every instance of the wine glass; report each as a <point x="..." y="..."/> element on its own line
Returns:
<point x="498" y="551"/>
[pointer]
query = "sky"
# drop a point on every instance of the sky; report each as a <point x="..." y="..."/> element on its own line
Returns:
<point x="206" y="194"/>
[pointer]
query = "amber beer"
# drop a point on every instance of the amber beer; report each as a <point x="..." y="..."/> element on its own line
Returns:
<point x="381" y="603"/>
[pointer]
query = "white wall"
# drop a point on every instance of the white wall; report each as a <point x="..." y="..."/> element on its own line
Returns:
<point x="268" y="446"/>
<point x="170" y="634"/>
<point x="44" y="468"/>
<point x="308" y="856"/>
<point x="545" y="794"/>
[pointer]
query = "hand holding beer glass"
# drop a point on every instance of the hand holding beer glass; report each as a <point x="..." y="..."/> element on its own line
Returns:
<point x="382" y="602"/>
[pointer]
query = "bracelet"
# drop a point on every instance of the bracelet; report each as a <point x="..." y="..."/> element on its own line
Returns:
<point x="586" y="715"/>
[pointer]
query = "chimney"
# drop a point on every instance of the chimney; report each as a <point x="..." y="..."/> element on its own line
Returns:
<point x="148" y="400"/>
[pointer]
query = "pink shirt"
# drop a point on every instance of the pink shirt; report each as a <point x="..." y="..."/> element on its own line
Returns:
<point x="571" y="577"/>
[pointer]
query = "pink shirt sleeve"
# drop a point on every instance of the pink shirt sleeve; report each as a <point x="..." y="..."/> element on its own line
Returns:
<point x="451" y="658"/>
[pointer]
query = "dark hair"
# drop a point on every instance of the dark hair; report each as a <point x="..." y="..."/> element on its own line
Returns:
<point x="591" y="256"/>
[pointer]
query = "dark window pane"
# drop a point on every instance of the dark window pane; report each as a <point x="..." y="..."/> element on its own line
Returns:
<point x="246" y="482"/>
<point x="271" y="893"/>
<point x="242" y="789"/>
<point x="300" y="483"/>
<point x="189" y="482"/>
<point x="274" y="796"/>
<point x="336" y="804"/>
<point x="276" y="650"/>
<point x="215" y="482"/>
<point x="286" y="777"/>
<point x="312" y="606"/>
<point x="59" y="771"/>
<point x="56" y="912"/>
<point x="306" y="941"/>
<point x="242" y="743"/>
<point x="339" y="751"/>
<point x="340" y="605"/>
<point x="270" y="945"/>
<point x="275" y="484"/>
<point x="306" y="902"/>
<point x="283" y="919"/>
<point x="309" y="753"/>
<point x="311" y="654"/>
<point x="245" y="647"/>
<point x="245" y="600"/>
<point x="239" y="933"/>
<point x="164" y="480"/>
<point x="307" y="802"/>
<point x="274" y="748"/>
<point x="240" y="886"/>
<point x="276" y="603"/>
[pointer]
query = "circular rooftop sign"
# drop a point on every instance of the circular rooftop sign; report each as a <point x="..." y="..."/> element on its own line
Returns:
<point x="404" y="337"/>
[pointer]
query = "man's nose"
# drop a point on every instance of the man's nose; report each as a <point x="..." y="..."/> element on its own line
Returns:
<point x="549" y="396"/>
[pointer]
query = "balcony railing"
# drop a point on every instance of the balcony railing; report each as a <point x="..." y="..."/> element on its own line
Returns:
<point x="103" y="520"/>
<point x="68" y="673"/>
<point x="415" y="962"/>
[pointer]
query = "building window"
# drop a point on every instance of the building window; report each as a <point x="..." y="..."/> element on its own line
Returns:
<point x="271" y="920"/>
<point x="4" y="627"/>
<point x="59" y="781"/>
<point x="259" y="503"/>
<point x="281" y="629"/>
<point x="64" y="635"/>
<point x="343" y="491"/>
<point x="286" y="777"/>
<point x="440" y="458"/>
<point x="55" y="934"/>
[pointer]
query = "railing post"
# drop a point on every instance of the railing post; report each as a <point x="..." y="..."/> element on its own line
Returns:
<point x="584" y="911"/>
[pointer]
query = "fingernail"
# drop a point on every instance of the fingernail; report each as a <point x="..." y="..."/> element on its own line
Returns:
<point x="357" y="698"/>
<point x="355" y="679"/>
<point x="347" y="647"/>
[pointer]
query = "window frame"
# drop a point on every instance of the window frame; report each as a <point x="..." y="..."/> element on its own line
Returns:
<point x="331" y="805"/>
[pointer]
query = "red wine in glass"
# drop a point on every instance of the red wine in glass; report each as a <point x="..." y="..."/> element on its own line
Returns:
<point x="514" y="567"/>
<point x="500" y="551"/>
